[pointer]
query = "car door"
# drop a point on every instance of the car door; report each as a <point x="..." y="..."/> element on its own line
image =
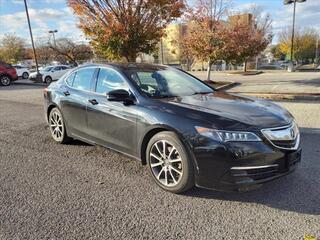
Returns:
<point x="76" y="92"/>
<point x="112" y="123"/>
<point x="55" y="72"/>
<point x="64" y="69"/>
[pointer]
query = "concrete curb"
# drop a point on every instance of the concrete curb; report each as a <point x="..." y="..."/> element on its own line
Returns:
<point x="249" y="73"/>
<point x="227" y="86"/>
<point x="285" y="96"/>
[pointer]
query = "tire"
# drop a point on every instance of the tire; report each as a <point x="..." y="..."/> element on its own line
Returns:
<point x="172" y="170"/>
<point x="48" y="79"/>
<point x="57" y="127"/>
<point x="25" y="75"/>
<point x="5" y="80"/>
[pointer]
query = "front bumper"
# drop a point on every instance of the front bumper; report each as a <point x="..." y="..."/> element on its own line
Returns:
<point x="242" y="166"/>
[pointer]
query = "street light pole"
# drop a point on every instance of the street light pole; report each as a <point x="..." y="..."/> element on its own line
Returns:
<point x="317" y="51"/>
<point x="33" y="48"/>
<point x="287" y="2"/>
<point x="54" y="37"/>
<point x="292" y="34"/>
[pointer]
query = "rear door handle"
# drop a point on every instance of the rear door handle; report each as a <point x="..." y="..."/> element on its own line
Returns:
<point x="66" y="93"/>
<point x="93" y="101"/>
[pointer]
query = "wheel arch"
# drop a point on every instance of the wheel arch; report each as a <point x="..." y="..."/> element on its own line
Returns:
<point x="153" y="131"/>
<point x="49" y="108"/>
<point x="7" y="75"/>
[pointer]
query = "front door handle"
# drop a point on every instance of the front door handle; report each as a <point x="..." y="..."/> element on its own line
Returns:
<point x="66" y="93"/>
<point x="93" y="101"/>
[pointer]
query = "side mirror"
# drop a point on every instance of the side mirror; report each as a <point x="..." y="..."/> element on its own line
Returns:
<point x="120" y="95"/>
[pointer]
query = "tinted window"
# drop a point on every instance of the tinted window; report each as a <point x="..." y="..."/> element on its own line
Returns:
<point x="47" y="69"/>
<point x="109" y="80"/>
<point x="83" y="79"/>
<point x="167" y="82"/>
<point x="57" y="68"/>
<point x="70" y="79"/>
<point x="63" y="68"/>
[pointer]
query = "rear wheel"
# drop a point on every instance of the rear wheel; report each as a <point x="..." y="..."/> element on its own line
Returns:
<point x="25" y="75"/>
<point x="5" y="80"/>
<point x="48" y="79"/>
<point x="169" y="163"/>
<point x="57" y="127"/>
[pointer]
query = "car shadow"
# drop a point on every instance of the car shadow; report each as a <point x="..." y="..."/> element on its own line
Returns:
<point x="21" y="86"/>
<point x="75" y="142"/>
<point x="309" y="82"/>
<point x="296" y="192"/>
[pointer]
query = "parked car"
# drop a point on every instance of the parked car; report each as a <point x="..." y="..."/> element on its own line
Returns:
<point x="50" y="73"/>
<point x="7" y="74"/>
<point x="22" y="71"/>
<point x="187" y="133"/>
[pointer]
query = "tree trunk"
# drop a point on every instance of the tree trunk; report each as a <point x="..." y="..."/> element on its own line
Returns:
<point x="131" y="57"/>
<point x="245" y="66"/>
<point x="209" y="70"/>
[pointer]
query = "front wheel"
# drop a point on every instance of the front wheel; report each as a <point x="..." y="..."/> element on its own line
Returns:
<point x="57" y="127"/>
<point x="5" y="80"/>
<point x="48" y="79"/>
<point x="169" y="163"/>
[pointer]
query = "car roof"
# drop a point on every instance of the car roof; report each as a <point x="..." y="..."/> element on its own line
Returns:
<point x="127" y="66"/>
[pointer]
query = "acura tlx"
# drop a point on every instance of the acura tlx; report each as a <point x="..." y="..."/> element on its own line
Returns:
<point x="186" y="132"/>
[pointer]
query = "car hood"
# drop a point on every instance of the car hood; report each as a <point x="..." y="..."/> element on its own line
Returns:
<point x="247" y="110"/>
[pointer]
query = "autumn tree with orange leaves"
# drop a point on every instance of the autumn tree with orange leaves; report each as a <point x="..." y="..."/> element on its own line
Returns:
<point x="210" y="39"/>
<point x="125" y="28"/>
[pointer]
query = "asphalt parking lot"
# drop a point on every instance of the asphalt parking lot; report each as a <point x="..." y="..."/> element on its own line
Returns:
<point x="79" y="191"/>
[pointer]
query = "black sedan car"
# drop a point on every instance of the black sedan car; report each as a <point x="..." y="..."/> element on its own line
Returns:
<point x="186" y="132"/>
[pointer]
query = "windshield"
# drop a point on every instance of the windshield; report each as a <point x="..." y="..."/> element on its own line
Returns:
<point x="167" y="82"/>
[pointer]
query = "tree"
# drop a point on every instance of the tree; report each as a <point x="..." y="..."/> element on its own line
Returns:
<point x="12" y="48"/>
<point x="206" y="35"/>
<point x="71" y="51"/>
<point x="207" y="45"/>
<point x="250" y="34"/>
<point x="304" y="43"/>
<point x="125" y="28"/>
<point x="45" y="54"/>
<point x="276" y="52"/>
<point x="245" y="42"/>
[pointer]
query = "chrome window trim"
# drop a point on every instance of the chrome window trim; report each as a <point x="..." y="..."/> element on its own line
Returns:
<point x="297" y="137"/>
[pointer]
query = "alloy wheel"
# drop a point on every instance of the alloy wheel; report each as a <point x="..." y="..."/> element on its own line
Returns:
<point x="56" y="126"/>
<point x="5" y="81"/>
<point x="166" y="163"/>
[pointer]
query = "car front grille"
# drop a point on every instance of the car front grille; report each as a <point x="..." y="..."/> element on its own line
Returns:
<point x="286" y="137"/>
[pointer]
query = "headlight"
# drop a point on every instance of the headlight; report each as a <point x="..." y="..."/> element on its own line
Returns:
<point x="228" y="136"/>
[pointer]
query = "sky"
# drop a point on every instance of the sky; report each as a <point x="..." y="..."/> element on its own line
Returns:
<point x="48" y="15"/>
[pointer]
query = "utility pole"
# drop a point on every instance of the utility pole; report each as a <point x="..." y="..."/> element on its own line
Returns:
<point x="39" y="76"/>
